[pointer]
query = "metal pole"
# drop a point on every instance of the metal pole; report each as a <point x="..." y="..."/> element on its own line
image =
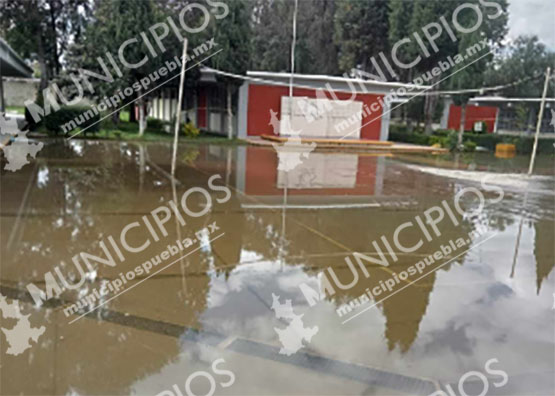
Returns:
<point x="293" y="48"/>
<point x="539" y="123"/>
<point x="179" y="102"/>
<point x="293" y="42"/>
<point x="2" y="104"/>
<point x="229" y="113"/>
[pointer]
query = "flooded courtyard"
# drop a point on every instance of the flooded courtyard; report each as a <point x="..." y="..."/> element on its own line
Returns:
<point x="240" y="308"/>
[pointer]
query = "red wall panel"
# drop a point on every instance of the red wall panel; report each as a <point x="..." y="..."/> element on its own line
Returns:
<point x="487" y="114"/>
<point x="263" y="98"/>
<point x="201" y="109"/>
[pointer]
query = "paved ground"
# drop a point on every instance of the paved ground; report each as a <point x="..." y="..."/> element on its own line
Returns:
<point x="352" y="146"/>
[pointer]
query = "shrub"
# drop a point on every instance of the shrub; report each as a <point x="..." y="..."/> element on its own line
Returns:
<point x="448" y="139"/>
<point x="107" y="123"/>
<point x="443" y="132"/>
<point x="414" y="138"/>
<point x="190" y="131"/>
<point x="451" y="140"/>
<point x="396" y="128"/>
<point x="469" y="146"/>
<point x="487" y="140"/>
<point x="73" y="117"/>
<point x="30" y="120"/>
<point x="524" y="145"/>
<point x="155" y="123"/>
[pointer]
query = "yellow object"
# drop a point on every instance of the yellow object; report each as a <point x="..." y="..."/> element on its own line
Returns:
<point x="436" y="145"/>
<point x="505" y="150"/>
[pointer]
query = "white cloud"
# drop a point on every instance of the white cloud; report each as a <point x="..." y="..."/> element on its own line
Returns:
<point x="533" y="17"/>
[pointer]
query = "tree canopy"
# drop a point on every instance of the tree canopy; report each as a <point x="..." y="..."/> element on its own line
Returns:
<point x="333" y="37"/>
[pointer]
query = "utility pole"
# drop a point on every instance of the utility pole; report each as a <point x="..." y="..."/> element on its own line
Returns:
<point x="532" y="159"/>
<point x="179" y="102"/>
<point x="539" y="123"/>
<point x="229" y="113"/>
<point x="293" y="44"/>
<point x="2" y="104"/>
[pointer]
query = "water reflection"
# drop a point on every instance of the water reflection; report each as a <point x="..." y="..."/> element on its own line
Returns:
<point x="281" y="229"/>
<point x="544" y="235"/>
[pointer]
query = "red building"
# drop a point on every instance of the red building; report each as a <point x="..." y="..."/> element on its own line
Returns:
<point x="487" y="114"/>
<point x="501" y="115"/>
<point x="321" y="106"/>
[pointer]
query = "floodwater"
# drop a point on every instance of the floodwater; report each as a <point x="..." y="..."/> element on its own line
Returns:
<point x="224" y="296"/>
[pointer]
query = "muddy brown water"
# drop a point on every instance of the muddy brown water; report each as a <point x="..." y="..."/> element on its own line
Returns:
<point x="492" y="298"/>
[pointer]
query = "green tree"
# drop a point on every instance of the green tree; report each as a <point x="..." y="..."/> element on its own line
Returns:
<point x="400" y="19"/>
<point x="316" y="49"/>
<point x="423" y="14"/>
<point x="471" y="73"/>
<point x="361" y="28"/>
<point x="233" y="36"/>
<point x="468" y="75"/>
<point x="113" y="23"/>
<point x="426" y="15"/>
<point x="43" y="29"/>
<point x="399" y="28"/>
<point x="523" y="59"/>
<point x="272" y="34"/>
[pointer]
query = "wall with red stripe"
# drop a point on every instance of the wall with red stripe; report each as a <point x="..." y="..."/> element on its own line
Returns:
<point x="487" y="114"/>
<point x="263" y="98"/>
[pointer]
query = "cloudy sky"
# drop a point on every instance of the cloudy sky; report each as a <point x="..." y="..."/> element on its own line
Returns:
<point x="533" y="17"/>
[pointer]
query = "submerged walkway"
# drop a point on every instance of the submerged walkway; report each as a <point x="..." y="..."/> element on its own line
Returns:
<point x="358" y="144"/>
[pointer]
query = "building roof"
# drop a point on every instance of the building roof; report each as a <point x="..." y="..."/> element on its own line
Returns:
<point x="503" y="99"/>
<point x="11" y="64"/>
<point x="337" y="83"/>
<point x="317" y="81"/>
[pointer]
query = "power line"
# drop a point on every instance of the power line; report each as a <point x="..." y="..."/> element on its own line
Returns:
<point x="445" y="92"/>
<point x="487" y="89"/>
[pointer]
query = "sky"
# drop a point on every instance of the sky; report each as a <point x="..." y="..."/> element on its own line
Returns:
<point x="528" y="17"/>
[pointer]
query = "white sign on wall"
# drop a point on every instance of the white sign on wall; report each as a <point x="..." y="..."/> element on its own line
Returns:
<point x="319" y="118"/>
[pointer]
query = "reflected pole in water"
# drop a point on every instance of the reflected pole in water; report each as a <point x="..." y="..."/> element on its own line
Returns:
<point x="293" y="45"/>
<point x="531" y="167"/>
<point x="539" y="123"/>
<point x="228" y="166"/>
<point x="282" y="242"/>
<point x="179" y="102"/>
<point x="178" y="232"/>
<point x="517" y="245"/>
<point x="21" y="211"/>
<point x="141" y="167"/>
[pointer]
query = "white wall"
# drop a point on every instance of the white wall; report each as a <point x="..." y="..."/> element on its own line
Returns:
<point x="321" y="170"/>
<point x="308" y="117"/>
<point x="18" y="90"/>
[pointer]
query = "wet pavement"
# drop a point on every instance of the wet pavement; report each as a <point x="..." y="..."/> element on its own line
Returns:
<point x="276" y="231"/>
